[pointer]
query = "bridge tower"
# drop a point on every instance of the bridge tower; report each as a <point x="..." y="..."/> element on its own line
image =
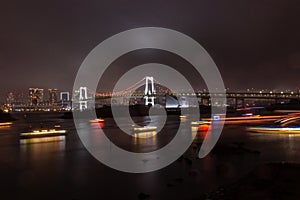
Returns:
<point x="149" y="91"/>
<point x="82" y="98"/>
<point x="65" y="96"/>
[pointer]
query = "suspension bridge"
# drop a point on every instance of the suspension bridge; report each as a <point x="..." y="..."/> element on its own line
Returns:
<point x="150" y="91"/>
<point x="144" y="91"/>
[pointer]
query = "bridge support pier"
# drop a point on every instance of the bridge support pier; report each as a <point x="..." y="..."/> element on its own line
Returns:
<point x="238" y="101"/>
<point x="82" y="105"/>
<point x="205" y="101"/>
<point x="149" y="100"/>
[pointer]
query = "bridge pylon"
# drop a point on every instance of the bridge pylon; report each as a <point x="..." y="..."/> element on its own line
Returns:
<point x="82" y="93"/>
<point x="149" y="91"/>
<point x="83" y="98"/>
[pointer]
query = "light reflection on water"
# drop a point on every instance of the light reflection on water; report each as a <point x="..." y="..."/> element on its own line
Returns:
<point x="273" y="147"/>
<point x="38" y="148"/>
<point x="42" y="140"/>
<point x="151" y="139"/>
<point x="6" y="127"/>
<point x="286" y="145"/>
<point x="276" y="147"/>
<point x="75" y="164"/>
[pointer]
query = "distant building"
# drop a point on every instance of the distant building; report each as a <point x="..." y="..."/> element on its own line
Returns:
<point x="52" y="93"/>
<point x="10" y="99"/>
<point x="20" y="99"/>
<point x="36" y="96"/>
<point x="16" y="99"/>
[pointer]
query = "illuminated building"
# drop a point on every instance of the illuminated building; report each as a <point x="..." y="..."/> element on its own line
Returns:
<point x="10" y="98"/>
<point x="36" y="96"/>
<point x="52" y="96"/>
<point x="20" y="99"/>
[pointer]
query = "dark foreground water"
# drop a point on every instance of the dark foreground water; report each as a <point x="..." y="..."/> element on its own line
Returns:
<point x="65" y="170"/>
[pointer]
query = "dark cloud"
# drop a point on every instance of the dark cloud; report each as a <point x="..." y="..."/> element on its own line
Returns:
<point x="254" y="43"/>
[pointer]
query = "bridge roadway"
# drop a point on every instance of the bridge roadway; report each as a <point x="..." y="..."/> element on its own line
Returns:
<point x="236" y="95"/>
<point x="239" y="98"/>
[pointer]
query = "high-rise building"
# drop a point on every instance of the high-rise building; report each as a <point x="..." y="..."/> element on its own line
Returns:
<point x="36" y="96"/>
<point x="20" y="99"/>
<point x="52" y="96"/>
<point x="10" y="99"/>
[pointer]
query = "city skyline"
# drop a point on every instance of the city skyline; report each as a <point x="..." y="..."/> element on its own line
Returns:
<point x="49" y="95"/>
<point x="52" y="96"/>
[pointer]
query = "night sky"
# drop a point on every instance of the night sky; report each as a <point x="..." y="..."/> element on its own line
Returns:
<point x="254" y="43"/>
